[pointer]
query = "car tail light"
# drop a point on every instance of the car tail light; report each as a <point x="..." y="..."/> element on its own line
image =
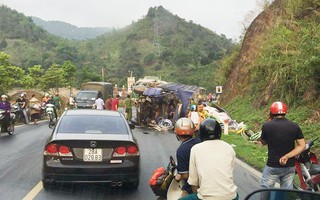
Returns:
<point x="51" y="149"/>
<point x="64" y="151"/>
<point x="133" y="150"/>
<point x="120" y="151"/>
<point x="57" y="150"/>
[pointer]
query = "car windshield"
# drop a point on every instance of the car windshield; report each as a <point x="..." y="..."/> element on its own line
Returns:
<point x="86" y="96"/>
<point x="93" y="124"/>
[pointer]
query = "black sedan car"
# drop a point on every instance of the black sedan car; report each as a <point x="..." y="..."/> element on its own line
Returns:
<point x="91" y="146"/>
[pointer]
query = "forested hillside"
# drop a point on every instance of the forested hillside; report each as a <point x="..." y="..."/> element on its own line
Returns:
<point x="70" y="31"/>
<point x="279" y="59"/>
<point x="280" y="55"/>
<point x="159" y="44"/>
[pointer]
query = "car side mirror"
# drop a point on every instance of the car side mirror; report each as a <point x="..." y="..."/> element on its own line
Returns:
<point x="132" y="126"/>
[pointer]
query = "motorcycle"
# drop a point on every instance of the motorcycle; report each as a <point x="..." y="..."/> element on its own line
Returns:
<point x="43" y="110"/>
<point x="163" y="183"/>
<point x="307" y="169"/>
<point x="19" y="113"/>
<point x="11" y="123"/>
<point x="50" y="112"/>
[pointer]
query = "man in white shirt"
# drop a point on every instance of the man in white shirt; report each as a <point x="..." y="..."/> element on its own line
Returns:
<point x="99" y="103"/>
<point x="211" y="166"/>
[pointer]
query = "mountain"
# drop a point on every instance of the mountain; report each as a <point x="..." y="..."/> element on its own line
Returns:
<point x="28" y="44"/>
<point x="69" y="31"/>
<point x="159" y="44"/>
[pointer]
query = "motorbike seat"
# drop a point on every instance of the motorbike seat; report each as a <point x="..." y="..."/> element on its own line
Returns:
<point x="314" y="169"/>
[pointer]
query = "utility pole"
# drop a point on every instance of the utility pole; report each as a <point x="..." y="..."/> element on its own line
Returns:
<point x="102" y="74"/>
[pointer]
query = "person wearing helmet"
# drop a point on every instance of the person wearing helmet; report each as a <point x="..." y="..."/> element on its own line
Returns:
<point x="5" y="105"/>
<point x="22" y="103"/>
<point x="46" y="98"/>
<point x="184" y="129"/>
<point x="280" y="134"/>
<point x="212" y="164"/>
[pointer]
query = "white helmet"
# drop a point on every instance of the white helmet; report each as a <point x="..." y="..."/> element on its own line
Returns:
<point x="4" y="96"/>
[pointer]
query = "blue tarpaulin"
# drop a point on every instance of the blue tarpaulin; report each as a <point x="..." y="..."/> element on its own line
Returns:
<point x="184" y="96"/>
<point x="152" y="91"/>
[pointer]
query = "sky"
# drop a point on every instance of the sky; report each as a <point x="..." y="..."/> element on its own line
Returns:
<point x="221" y="16"/>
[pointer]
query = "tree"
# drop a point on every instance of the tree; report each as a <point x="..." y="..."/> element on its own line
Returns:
<point x="34" y="76"/>
<point x="53" y="78"/>
<point x="69" y="70"/>
<point x="11" y="76"/>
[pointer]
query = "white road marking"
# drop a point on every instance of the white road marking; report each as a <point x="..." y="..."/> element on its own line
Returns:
<point x="33" y="193"/>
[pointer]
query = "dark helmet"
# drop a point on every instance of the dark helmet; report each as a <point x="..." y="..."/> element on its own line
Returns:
<point x="210" y="129"/>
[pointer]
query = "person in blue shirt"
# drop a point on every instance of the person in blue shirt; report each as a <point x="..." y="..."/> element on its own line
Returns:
<point x="184" y="129"/>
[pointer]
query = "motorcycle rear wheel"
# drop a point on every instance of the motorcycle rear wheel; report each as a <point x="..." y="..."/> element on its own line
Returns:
<point x="10" y="129"/>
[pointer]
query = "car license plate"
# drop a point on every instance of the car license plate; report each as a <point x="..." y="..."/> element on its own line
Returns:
<point x="92" y="155"/>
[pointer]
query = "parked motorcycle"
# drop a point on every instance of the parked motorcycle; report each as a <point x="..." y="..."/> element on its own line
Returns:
<point x="11" y="124"/>
<point x="163" y="183"/>
<point x="308" y="170"/>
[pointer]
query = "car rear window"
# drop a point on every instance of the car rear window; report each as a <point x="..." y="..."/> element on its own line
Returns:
<point x="93" y="124"/>
<point x="86" y="96"/>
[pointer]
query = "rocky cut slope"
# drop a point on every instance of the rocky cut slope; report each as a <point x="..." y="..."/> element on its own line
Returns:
<point x="279" y="57"/>
<point x="238" y="79"/>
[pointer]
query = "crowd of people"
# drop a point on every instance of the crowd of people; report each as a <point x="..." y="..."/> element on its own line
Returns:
<point x="206" y="163"/>
<point x="31" y="108"/>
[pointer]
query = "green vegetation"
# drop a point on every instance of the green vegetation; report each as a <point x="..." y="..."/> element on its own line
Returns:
<point x="287" y="68"/>
<point x="173" y="46"/>
<point x="289" y="56"/>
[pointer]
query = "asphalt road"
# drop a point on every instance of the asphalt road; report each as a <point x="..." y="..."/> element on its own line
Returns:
<point x="21" y="159"/>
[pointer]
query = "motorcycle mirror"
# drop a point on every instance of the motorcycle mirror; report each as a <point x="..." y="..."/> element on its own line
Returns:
<point x="173" y="162"/>
<point x="52" y="124"/>
<point x="284" y="194"/>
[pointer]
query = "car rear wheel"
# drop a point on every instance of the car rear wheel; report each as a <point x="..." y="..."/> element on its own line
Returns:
<point x="131" y="185"/>
<point x="48" y="185"/>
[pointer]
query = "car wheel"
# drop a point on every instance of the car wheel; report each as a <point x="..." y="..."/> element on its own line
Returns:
<point x="48" y="185"/>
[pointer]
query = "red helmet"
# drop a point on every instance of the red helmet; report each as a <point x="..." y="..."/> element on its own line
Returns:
<point x="184" y="126"/>
<point x="278" y="108"/>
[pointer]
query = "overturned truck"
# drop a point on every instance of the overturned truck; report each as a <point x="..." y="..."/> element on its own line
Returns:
<point x="164" y="104"/>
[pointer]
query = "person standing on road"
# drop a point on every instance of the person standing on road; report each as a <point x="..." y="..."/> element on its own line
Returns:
<point x="280" y="134"/>
<point x="211" y="166"/>
<point x="128" y="107"/>
<point x="57" y="101"/>
<point x="184" y="129"/>
<point x="108" y="103"/>
<point x="35" y="108"/>
<point x="115" y="103"/>
<point x="99" y="103"/>
<point x="71" y="102"/>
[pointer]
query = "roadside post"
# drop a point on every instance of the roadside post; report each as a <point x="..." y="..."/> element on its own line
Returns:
<point x="226" y="126"/>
